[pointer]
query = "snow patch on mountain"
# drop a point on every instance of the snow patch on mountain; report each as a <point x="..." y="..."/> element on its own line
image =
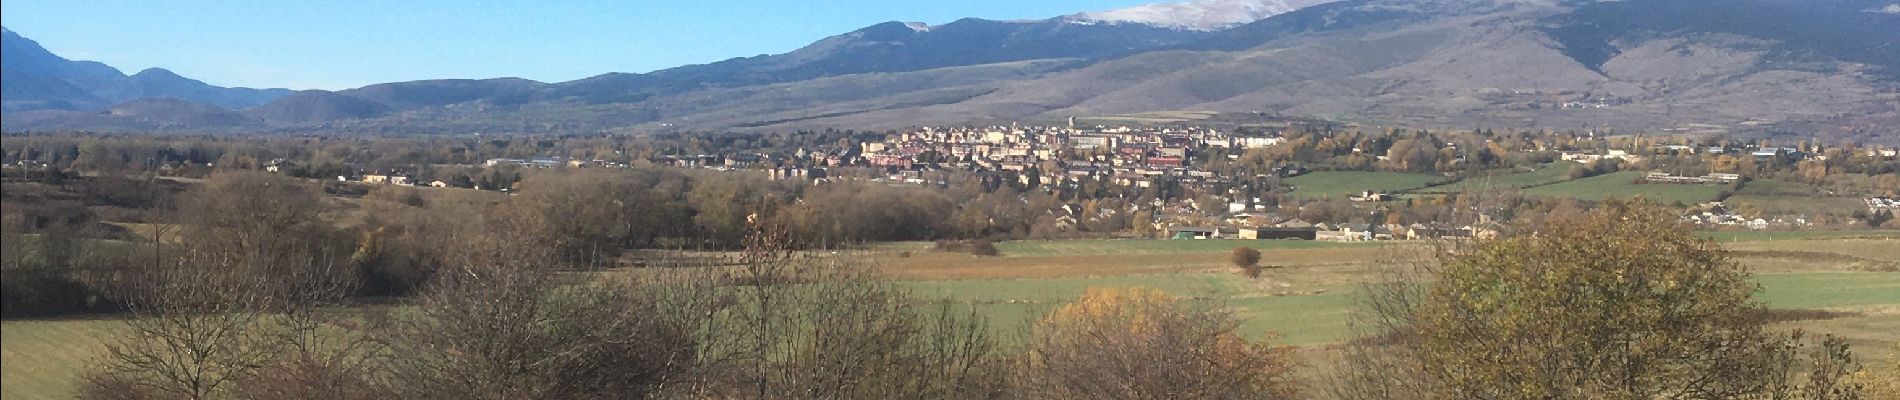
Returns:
<point x="1200" y="15"/>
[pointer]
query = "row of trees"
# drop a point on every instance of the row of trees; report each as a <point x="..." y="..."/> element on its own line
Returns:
<point x="393" y="239"/>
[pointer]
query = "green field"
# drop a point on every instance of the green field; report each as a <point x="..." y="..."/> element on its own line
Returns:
<point x="1770" y="187"/>
<point x="1091" y="247"/>
<point x="1829" y="289"/>
<point x="1308" y="316"/>
<point x="1623" y="185"/>
<point x="1544" y="174"/>
<point x="1339" y="184"/>
<point x="40" y="359"/>
<point x="1320" y="314"/>
<point x="1750" y="236"/>
<point x="1773" y="197"/>
<point x="1043" y="248"/>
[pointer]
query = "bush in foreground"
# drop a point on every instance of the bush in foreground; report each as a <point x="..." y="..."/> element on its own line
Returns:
<point x="1622" y="302"/>
<point x="1143" y="344"/>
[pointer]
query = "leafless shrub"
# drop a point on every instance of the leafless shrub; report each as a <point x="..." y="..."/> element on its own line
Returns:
<point x="191" y="331"/>
<point x="97" y="385"/>
<point x="1140" y="344"/>
<point x="801" y="326"/>
<point x="235" y="294"/>
<point x="984" y="248"/>
<point x="504" y="333"/>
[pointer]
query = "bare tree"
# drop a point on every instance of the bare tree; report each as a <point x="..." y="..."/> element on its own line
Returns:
<point x="499" y="324"/>
<point x="1141" y="344"/>
<point x="190" y="329"/>
<point x="236" y="295"/>
<point x="788" y="324"/>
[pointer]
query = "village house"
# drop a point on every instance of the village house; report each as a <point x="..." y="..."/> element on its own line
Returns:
<point x="1664" y="177"/>
<point x="1878" y="204"/>
<point x="390" y="179"/>
<point x="1372" y="197"/>
<point x="1261" y="233"/>
<point x="1586" y="158"/>
<point x="537" y="162"/>
<point x="1192" y="233"/>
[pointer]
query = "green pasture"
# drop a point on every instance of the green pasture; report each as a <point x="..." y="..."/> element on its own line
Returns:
<point x="1623" y="185"/>
<point x="1339" y="184"/>
<point x="1042" y="248"/>
<point x="1542" y="175"/>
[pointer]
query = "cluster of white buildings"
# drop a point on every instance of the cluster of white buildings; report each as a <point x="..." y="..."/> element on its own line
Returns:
<point x="1878" y="204"/>
<point x="1586" y="158"/>
<point x="1715" y="214"/>
<point x="1129" y="154"/>
<point x="1664" y="177"/>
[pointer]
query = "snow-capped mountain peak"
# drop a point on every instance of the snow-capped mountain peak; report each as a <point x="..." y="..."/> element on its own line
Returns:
<point x="1200" y="15"/>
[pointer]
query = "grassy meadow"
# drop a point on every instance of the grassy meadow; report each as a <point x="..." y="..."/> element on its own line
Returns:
<point x="1773" y="197"/>
<point x="41" y="359"/>
<point x="1623" y="185"/>
<point x="1307" y="298"/>
<point x="1337" y="184"/>
<point x="1545" y="174"/>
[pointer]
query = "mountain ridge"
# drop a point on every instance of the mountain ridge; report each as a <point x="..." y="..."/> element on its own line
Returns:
<point x="56" y="83"/>
<point x="1638" y="65"/>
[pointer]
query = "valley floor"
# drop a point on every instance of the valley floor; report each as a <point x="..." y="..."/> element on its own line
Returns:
<point x="1305" y="298"/>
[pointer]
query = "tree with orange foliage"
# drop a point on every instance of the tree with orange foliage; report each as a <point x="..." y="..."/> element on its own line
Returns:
<point x="1143" y="344"/>
<point x="1883" y="380"/>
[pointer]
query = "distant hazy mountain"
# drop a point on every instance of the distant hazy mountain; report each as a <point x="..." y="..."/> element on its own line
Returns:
<point x="1803" y="67"/>
<point x="170" y="112"/>
<point x="37" y="79"/>
<point x="889" y="47"/>
<point x="317" y="106"/>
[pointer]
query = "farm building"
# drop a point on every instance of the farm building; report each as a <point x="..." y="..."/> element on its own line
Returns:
<point x="1279" y="233"/>
<point x="1193" y="233"/>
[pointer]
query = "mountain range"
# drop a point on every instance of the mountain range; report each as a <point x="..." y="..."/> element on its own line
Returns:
<point x="1828" y="68"/>
<point x="37" y="79"/>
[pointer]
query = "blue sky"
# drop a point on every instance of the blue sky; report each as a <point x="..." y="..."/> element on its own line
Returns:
<point x="349" y="43"/>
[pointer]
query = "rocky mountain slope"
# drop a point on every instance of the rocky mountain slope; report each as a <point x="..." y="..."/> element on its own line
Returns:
<point x="1766" y="67"/>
